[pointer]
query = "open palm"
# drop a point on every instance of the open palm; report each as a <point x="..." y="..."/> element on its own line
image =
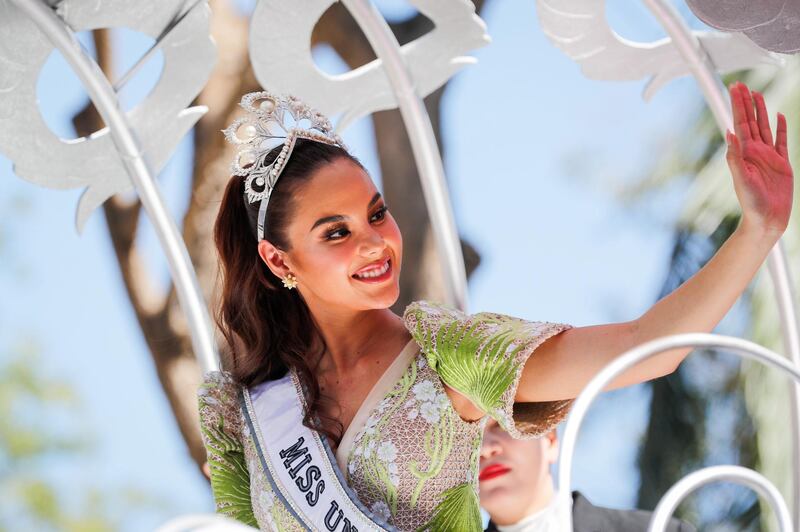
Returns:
<point x="762" y="175"/>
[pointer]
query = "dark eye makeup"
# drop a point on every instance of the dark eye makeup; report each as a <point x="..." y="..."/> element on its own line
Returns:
<point x="380" y="214"/>
<point x="339" y="231"/>
<point x="336" y="232"/>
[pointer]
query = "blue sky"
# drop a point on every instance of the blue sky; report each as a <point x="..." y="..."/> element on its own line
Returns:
<point x="533" y="151"/>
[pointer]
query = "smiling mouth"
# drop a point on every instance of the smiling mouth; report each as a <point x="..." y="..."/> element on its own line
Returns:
<point x="492" y="471"/>
<point x="375" y="275"/>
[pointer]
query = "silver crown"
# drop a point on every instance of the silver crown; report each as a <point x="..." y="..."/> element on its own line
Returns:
<point x="271" y="121"/>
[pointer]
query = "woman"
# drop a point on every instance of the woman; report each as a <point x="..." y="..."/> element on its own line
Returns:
<point x="337" y="414"/>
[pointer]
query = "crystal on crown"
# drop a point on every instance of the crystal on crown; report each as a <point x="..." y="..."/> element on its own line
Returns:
<point x="272" y="120"/>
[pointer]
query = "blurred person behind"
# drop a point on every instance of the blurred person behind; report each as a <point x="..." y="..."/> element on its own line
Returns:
<point x="516" y="490"/>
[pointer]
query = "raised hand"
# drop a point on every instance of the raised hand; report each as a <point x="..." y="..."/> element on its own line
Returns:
<point x="762" y="175"/>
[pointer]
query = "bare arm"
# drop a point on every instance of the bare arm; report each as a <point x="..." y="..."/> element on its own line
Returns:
<point x="563" y="365"/>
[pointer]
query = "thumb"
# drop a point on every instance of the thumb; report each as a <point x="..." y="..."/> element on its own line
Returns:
<point x="734" y="148"/>
<point x="734" y="155"/>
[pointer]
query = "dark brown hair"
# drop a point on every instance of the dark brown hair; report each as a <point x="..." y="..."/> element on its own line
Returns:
<point x="268" y="328"/>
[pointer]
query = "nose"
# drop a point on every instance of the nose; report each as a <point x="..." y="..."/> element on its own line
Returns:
<point x="372" y="244"/>
<point x="490" y="446"/>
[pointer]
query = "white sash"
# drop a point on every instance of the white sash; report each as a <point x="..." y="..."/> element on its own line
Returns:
<point x="299" y="463"/>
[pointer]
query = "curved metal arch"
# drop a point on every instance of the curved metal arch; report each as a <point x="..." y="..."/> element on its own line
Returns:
<point x="737" y="474"/>
<point x="630" y="358"/>
<point x="604" y="55"/>
<point x="423" y="144"/>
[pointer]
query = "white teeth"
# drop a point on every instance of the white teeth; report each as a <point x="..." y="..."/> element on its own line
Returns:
<point x="375" y="273"/>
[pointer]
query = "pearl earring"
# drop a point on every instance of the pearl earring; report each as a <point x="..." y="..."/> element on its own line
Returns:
<point x="290" y="281"/>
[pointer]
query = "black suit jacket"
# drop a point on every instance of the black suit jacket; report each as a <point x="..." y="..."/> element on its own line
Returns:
<point x="589" y="518"/>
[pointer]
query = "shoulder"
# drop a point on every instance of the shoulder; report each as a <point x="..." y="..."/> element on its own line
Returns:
<point x="427" y="315"/>
<point x="423" y="314"/>
<point x="218" y="401"/>
<point x="217" y="387"/>
<point x="481" y="356"/>
<point x="438" y="328"/>
<point x="589" y="518"/>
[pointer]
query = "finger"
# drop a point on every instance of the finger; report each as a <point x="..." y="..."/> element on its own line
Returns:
<point x="751" y="115"/>
<point x="734" y="149"/>
<point x="734" y="156"/>
<point x="740" y="124"/>
<point x="780" y="141"/>
<point x="762" y="117"/>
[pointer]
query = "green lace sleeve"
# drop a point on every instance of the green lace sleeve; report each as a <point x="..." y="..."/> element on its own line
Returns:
<point x="221" y="428"/>
<point x="482" y="356"/>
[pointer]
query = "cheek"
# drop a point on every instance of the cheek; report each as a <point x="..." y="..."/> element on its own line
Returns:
<point x="322" y="261"/>
<point x="527" y="462"/>
<point x="337" y="259"/>
<point x="392" y="235"/>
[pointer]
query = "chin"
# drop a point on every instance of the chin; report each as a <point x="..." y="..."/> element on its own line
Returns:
<point x="494" y="500"/>
<point x="375" y="296"/>
<point x="387" y="299"/>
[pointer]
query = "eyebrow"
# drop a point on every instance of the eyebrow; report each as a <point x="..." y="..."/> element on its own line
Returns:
<point x="339" y="217"/>
<point x="374" y="200"/>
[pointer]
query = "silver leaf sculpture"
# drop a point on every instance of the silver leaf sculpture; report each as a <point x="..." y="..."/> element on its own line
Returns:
<point x="159" y="121"/>
<point x="736" y="16"/>
<point x="280" y="33"/>
<point x="772" y="24"/>
<point x="580" y="29"/>
<point x="281" y="55"/>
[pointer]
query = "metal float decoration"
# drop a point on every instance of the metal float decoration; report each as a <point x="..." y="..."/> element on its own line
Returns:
<point x="580" y="29"/>
<point x="772" y="24"/>
<point x="137" y="143"/>
<point x="673" y="497"/>
<point x="399" y="78"/>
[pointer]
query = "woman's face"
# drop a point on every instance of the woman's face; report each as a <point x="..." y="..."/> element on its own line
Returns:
<point x="346" y="249"/>
<point x="514" y="474"/>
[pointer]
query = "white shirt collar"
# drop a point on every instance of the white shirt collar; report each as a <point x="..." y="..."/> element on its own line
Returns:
<point x="545" y="520"/>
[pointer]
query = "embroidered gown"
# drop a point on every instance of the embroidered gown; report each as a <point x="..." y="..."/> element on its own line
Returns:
<point x="408" y="456"/>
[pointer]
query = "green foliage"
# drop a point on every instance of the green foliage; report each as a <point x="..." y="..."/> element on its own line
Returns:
<point x="43" y="434"/>
<point x="30" y="444"/>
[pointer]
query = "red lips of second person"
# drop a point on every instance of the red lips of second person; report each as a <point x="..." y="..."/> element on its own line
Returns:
<point x="492" y="471"/>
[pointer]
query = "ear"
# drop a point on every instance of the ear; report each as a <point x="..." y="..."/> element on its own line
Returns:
<point x="274" y="258"/>
<point x="551" y="449"/>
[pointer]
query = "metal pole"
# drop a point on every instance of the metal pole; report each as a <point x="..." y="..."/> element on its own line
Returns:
<point x="423" y="144"/>
<point x="740" y="475"/>
<point x="105" y="100"/>
<point x="630" y="358"/>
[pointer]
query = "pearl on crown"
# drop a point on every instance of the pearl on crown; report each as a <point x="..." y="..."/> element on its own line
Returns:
<point x="247" y="157"/>
<point x="249" y="131"/>
<point x="267" y="105"/>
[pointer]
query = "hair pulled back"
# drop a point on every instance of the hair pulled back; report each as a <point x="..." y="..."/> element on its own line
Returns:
<point x="268" y="328"/>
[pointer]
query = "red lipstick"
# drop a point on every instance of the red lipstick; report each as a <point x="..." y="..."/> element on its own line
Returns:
<point x="492" y="471"/>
